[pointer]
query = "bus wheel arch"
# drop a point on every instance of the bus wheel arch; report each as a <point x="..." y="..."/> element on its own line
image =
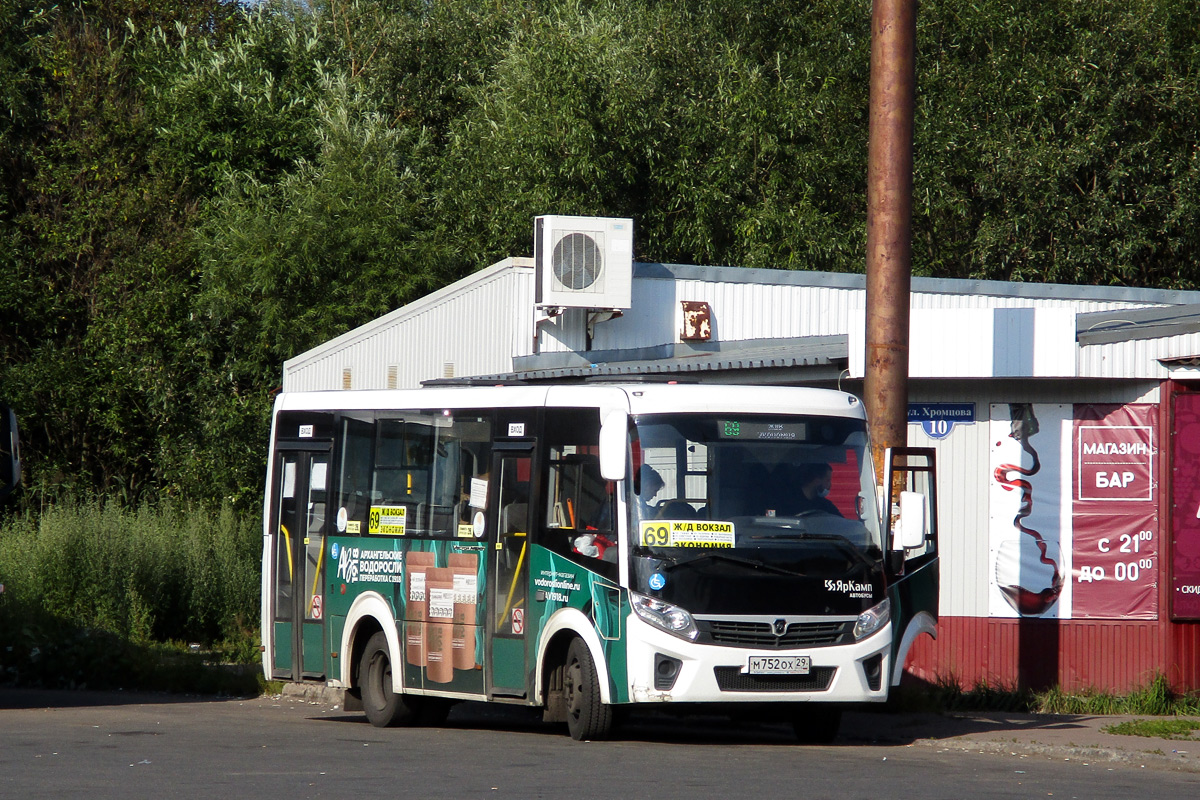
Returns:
<point x="922" y="622"/>
<point x="367" y="615"/>
<point x="564" y="625"/>
<point x="353" y="647"/>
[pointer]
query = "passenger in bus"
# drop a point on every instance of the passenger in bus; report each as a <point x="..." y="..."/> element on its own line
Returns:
<point x="814" y="481"/>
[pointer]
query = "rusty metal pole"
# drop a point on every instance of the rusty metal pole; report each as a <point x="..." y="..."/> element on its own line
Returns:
<point x="889" y="221"/>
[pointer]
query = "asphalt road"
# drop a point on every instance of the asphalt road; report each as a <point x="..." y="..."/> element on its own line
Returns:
<point x="112" y="745"/>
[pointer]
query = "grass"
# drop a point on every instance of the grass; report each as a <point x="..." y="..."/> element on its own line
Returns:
<point x="1169" y="728"/>
<point x="1154" y="699"/>
<point x="104" y="597"/>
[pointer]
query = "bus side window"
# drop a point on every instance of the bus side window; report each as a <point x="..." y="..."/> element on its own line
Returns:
<point x="580" y="514"/>
<point x="354" y="477"/>
<point x="403" y="465"/>
<point x="472" y="441"/>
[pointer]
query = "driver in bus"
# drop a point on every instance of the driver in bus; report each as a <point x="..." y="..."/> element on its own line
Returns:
<point x="650" y="483"/>
<point x="815" y="480"/>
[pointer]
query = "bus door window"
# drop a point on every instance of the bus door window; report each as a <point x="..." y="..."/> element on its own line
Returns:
<point x="512" y="542"/>
<point x="285" y="567"/>
<point x="301" y="500"/>
<point x="314" y="535"/>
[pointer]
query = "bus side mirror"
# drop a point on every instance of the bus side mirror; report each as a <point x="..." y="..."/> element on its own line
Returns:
<point x="612" y="445"/>
<point x="910" y="533"/>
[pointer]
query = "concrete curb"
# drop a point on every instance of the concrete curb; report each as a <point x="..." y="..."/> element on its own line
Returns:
<point x="1131" y="757"/>
<point x="315" y="693"/>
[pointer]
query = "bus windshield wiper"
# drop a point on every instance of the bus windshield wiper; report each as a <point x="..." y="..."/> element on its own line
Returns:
<point x="841" y="542"/>
<point x="745" y="562"/>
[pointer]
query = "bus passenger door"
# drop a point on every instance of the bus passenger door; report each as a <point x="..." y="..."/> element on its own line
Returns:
<point x="301" y="505"/>
<point x="910" y="478"/>
<point x="510" y="518"/>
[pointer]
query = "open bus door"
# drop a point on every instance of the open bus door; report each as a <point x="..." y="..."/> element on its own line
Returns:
<point x="910" y="523"/>
<point x="301" y="506"/>
<point x="10" y="453"/>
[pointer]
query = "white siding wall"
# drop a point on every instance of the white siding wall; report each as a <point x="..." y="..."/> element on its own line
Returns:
<point x="752" y="307"/>
<point x="740" y="311"/>
<point x="481" y="322"/>
<point x="476" y="325"/>
<point x="1138" y="357"/>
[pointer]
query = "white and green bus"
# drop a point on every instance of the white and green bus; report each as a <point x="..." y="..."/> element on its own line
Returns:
<point x="584" y="548"/>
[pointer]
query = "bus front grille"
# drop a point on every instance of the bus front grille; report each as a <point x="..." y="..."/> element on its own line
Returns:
<point x="731" y="679"/>
<point x="739" y="633"/>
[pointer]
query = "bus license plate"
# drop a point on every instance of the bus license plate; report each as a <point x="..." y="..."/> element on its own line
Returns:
<point x="779" y="665"/>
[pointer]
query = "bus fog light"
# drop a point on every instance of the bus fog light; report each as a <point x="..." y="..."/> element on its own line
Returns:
<point x="873" y="672"/>
<point x="661" y="614"/>
<point x="666" y="671"/>
<point x="871" y="620"/>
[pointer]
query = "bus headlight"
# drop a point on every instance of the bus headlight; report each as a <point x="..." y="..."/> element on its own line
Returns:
<point x="661" y="614"/>
<point x="872" y="620"/>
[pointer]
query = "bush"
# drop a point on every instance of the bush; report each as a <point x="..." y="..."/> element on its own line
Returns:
<point x="98" y="595"/>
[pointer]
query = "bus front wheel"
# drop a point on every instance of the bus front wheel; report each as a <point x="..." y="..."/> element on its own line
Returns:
<point x="383" y="706"/>
<point x="588" y="717"/>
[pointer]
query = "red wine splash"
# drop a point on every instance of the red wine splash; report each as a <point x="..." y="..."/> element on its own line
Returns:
<point x="1026" y="601"/>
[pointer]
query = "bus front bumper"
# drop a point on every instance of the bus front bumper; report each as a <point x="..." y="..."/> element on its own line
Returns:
<point x="664" y="668"/>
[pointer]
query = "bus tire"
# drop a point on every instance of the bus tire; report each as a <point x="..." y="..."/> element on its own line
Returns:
<point x="817" y="723"/>
<point x="588" y="717"/>
<point x="384" y="708"/>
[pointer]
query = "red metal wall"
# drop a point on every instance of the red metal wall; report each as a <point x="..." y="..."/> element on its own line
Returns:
<point x="1111" y="655"/>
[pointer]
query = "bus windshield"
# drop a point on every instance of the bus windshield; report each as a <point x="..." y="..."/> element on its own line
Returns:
<point x="743" y="513"/>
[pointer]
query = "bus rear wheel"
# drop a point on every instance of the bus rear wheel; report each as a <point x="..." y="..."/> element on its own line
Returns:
<point x="384" y="708"/>
<point x="588" y="717"/>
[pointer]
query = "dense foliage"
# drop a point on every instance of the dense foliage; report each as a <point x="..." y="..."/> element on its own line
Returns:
<point x="90" y="592"/>
<point x="195" y="191"/>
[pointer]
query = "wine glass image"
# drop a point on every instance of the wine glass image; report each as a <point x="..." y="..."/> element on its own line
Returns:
<point x="1028" y="574"/>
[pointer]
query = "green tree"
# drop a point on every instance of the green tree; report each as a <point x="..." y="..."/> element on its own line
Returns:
<point x="99" y="282"/>
<point x="1057" y="142"/>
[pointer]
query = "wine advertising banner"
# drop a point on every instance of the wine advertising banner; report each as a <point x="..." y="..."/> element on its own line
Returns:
<point x="1115" y="572"/>
<point x="1073" y="511"/>
<point x="1029" y="520"/>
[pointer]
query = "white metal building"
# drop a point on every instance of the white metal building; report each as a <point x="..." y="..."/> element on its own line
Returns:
<point x="999" y="371"/>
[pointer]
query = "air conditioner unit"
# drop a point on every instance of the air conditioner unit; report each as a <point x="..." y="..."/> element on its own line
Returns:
<point x="583" y="262"/>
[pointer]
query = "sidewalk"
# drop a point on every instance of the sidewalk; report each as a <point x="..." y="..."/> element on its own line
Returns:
<point x="1068" y="737"/>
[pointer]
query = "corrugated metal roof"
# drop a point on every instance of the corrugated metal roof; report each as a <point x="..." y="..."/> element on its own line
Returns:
<point x="1104" y="327"/>
<point x="753" y="354"/>
<point x="845" y="280"/>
